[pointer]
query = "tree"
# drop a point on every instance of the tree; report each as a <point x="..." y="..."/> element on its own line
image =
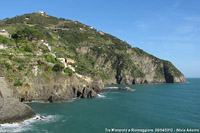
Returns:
<point x="28" y="49"/>
<point x="58" y="67"/>
<point x="68" y="71"/>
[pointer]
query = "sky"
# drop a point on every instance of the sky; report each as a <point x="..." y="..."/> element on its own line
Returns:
<point x="167" y="29"/>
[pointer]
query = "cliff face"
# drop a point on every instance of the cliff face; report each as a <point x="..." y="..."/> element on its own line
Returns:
<point x="54" y="59"/>
<point x="54" y="88"/>
<point x="133" y="66"/>
<point x="149" y="69"/>
<point x="11" y="109"/>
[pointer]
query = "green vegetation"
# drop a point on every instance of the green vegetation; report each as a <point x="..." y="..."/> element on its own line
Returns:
<point x="21" y="67"/>
<point x="7" y="41"/>
<point x="57" y="68"/>
<point x="68" y="71"/>
<point x="28" y="49"/>
<point x="19" y="60"/>
<point x="27" y="33"/>
<point x="50" y="58"/>
<point x="159" y="72"/>
<point x="27" y="85"/>
<point x="8" y="66"/>
<point x="34" y="18"/>
<point x="96" y="54"/>
<point x="49" y="69"/>
<point x="18" y="84"/>
<point x="171" y="68"/>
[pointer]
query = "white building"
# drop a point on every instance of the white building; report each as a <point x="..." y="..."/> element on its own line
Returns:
<point x="3" y="32"/>
<point x="41" y="12"/>
<point x="62" y="60"/>
<point x="48" y="46"/>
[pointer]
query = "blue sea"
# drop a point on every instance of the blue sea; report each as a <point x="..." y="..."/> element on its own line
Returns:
<point x="153" y="107"/>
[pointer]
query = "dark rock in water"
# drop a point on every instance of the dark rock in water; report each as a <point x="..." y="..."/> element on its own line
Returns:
<point x="12" y="110"/>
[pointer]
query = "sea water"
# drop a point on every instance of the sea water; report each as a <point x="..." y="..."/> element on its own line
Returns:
<point x="153" y="107"/>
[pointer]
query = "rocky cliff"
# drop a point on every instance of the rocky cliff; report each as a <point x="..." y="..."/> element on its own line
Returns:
<point x="57" y="87"/>
<point x="11" y="110"/>
<point x="54" y="59"/>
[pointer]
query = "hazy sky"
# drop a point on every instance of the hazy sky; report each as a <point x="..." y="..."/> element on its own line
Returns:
<point x="168" y="29"/>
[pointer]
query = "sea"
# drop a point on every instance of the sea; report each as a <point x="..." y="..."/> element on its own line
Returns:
<point x="150" y="108"/>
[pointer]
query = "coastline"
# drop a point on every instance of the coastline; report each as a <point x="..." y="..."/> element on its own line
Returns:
<point x="32" y="114"/>
<point x="14" y="111"/>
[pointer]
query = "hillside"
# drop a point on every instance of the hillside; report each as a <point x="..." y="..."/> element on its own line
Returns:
<point x="43" y="56"/>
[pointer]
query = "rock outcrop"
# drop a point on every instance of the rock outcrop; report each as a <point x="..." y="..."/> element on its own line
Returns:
<point x="54" y="88"/>
<point x="134" y="66"/>
<point x="11" y="110"/>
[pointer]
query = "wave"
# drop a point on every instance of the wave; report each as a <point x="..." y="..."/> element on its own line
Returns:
<point x="68" y="101"/>
<point x="36" y="102"/>
<point x="27" y="125"/>
<point x="100" y="96"/>
<point x="115" y="92"/>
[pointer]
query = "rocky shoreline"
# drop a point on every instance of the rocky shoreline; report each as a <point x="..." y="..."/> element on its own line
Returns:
<point x="12" y="110"/>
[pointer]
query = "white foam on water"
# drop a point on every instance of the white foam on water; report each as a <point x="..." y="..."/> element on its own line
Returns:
<point x="36" y="102"/>
<point x="113" y="88"/>
<point x="71" y="100"/>
<point x="101" y="95"/>
<point x="115" y="92"/>
<point x="27" y="125"/>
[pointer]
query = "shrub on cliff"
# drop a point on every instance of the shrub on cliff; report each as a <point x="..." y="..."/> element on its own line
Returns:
<point x="58" y="67"/>
<point x="20" y="67"/>
<point x="50" y="58"/>
<point x="68" y="71"/>
<point x="27" y="33"/>
<point x="18" y="84"/>
<point x="28" y="49"/>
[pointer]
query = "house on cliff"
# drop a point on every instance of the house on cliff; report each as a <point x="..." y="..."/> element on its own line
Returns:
<point x="68" y="60"/>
